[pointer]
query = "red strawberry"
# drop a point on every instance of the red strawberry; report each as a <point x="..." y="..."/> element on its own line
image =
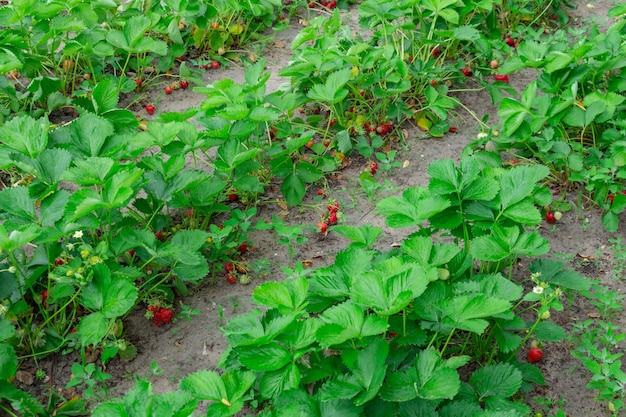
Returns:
<point x="511" y="42"/>
<point x="550" y="217"/>
<point x="452" y="129"/>
<point x="374" y="168"/>
<point x="229" y="267"/>
<point x="320" y="192"/>
<point x="159" y="236"/>
<point x="150" y="109"/>
<point x="44" y="297"/>
<point x="59" y="262"/>
<point x="534" y="355"/>
<point x="184" y="84"/>
<point x="131" y="252"/>
<point x="332" y="218"/>
<point x="215" y="65"/>
<point x="309" y="144"/>
<point x="333" y="208"/>
<point x="322" y="226"/>
<point x="165" y="314"/>
<point x="611" y="198"/>
<point x="168" y="90"/>
<point x="502" y="77"/>
<point x="232" y="197"/>
<point x="467" y="71"/>
<point x="139" y="82"/>
<point x="243" y="248"/>
<point x="231" y="278"/>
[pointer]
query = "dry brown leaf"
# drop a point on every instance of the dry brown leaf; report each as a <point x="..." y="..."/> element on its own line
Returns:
<point x="279" y="44"/>
<point x="594" y="315"/>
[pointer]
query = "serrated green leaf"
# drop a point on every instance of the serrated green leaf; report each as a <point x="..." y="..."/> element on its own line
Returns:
<point x="268" y="357"/>
<point x="92" y="328"/>
<point x="347" y="321"/>
<point x="499" y="380"/>
<point x="8" y="361"/>
<point x="467" y="312"/>
<point x="549" y="332"/>
<point x="489" y="248"/>
<point x="362" y="236"/>
<point x="390" y="290"/>
<point x="286" y="296"/>
<point x="204" y="385"/>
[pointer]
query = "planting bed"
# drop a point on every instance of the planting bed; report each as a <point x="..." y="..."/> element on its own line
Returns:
<point x="194" y="340"/>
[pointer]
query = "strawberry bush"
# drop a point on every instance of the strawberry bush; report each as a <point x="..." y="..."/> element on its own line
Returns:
<point x="105" y="214"/>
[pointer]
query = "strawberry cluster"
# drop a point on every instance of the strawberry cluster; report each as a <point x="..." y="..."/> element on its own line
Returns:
<point x="160" y="315"/>
<point x="330" y="217"/>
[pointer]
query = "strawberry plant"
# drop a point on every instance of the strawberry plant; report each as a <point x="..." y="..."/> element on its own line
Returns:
<point x="571" y="127"/>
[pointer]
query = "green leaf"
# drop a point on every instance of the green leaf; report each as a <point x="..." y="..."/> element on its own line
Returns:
<point x="113" y="297"/>
<point x="415" y="206"/>
<point x="293" y="189"/>
<point x="17" y="203"/>
<point x="268" y="357"/>
<point x="429" y="379"/>
<point x="524" y="212"/>
<point x="190" y="240"/>
<point x="26" y="135"/>
<point x="518" y="183"/>
<point x="286" y="296"/>
<point x="204" y="385"/>
<point x="390" y="289"/>
<point x="369" y="370"/>
<point x="489" y="248"/>
<point x="332" y="91"/>
<point x="89" y="132"/>
<point x="104" y="96"/>
<point x="8" y="361"/>
<point x="363" y="236"/>
<point x="92" y="328"/>
<point x="549" y="332"/>
<point x="347" y="321"/>
<point x="512" y="114"/>
<point x="467" y="312"/>
<point x="499" y="380"/>
<point x="273" y="383"/>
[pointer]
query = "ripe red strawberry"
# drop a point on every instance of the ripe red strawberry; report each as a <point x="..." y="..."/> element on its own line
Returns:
<point x="511" y="42"/>
<point x="331" y="4"/>
<point x="320" y="192"/>
<point x="309" y="144"/>
<point x="229" y="267"/>
<point x="502" y="77"/>
<point x="138" y="82"/>
<point x="150" y="109"/>
<point x="333" y="208"/>
<point x="332" y="122"/>
<point x="159" y="236"/>
<point x="611" y="198"/>
<point x="215" y="65"/>
<point x="467" y="71"/>
<point x="131" y="252"/>
<point x="168" y="89"/>
<point x="374" y="168"/>
<point x="231" y="278"/>
<point x="232" y="197"/>
<point x="550" y="217"/>
<point x="452" y="129"/>
<point x="436" y="52"/>
<point x="534" y="355"/>
<point x="59" y="262"/>
<point x="184" y="84"/>
<point x="332" y="218"/>
<point x="165" y="314"/>
<point x="311" y="5"/>
<point x="362" y="93"/>
<point x="322" y="226"/>
<point x="243" y="248"/>
<point x="44" y="298"/>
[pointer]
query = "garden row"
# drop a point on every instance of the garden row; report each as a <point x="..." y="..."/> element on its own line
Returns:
<point x="102" y="216"/>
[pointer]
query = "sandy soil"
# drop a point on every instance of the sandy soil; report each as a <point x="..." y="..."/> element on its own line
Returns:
<point x="189" y="345"/>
